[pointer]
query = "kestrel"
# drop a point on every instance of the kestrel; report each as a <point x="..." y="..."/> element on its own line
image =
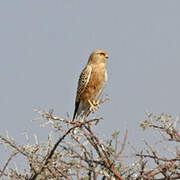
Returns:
<point x="90" y="85"/>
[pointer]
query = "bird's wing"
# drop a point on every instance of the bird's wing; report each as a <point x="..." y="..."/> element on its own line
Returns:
<point x="83" y="80"/>
<point x="82" y="83"/>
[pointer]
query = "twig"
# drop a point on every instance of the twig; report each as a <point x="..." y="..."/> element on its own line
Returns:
<point x="78" y="124"/>
<point x="155" y="157"/>
<point x="6" y="164"/>
<point x="123" y="146"/>
<point x="108" y="165"/>
<point x="14" y="146"/>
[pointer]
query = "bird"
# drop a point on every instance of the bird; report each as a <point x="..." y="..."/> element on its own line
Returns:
<point x="91" y="83"/>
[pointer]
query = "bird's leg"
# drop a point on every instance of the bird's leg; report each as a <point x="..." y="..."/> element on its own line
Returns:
<point x="93" y="107"/>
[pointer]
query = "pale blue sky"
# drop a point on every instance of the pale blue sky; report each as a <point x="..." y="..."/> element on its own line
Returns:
<point x="45" y="44"/>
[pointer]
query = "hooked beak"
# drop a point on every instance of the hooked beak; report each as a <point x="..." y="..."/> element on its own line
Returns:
<point x="107" y="57"/>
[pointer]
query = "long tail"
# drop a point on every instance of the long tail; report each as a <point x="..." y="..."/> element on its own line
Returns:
<point x="80" y="112"/>
<point x="76" y="109"/>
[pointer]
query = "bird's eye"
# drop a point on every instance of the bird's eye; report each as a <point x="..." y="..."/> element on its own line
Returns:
<point x="102" y="54"/>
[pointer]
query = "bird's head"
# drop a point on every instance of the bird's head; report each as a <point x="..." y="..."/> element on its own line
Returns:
<point x="98" y="56"/>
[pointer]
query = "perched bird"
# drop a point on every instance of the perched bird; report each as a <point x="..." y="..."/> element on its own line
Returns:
<point x="90" y="85"/>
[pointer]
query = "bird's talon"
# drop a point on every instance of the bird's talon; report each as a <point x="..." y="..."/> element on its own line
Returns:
<point x="93" y="105"/>
<point x="96" y="103"/>
<point x="93" y="108"/>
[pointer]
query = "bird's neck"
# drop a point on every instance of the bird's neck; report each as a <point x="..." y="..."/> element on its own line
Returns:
<point x="98" y="65"/>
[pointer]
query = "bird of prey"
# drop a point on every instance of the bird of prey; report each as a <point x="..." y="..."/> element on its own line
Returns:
<point x="90" y="85"/>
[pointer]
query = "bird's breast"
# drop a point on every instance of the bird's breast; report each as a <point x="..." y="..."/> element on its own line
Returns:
<point x="96" y="83"/>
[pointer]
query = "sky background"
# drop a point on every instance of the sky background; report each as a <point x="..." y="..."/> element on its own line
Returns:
<point x="45" y="44"/>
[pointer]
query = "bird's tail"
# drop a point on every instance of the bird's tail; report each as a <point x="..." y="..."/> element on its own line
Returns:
<point x="76" y="109"/>
<point x="81" y="117"/>
<point x="81" y="112"/>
